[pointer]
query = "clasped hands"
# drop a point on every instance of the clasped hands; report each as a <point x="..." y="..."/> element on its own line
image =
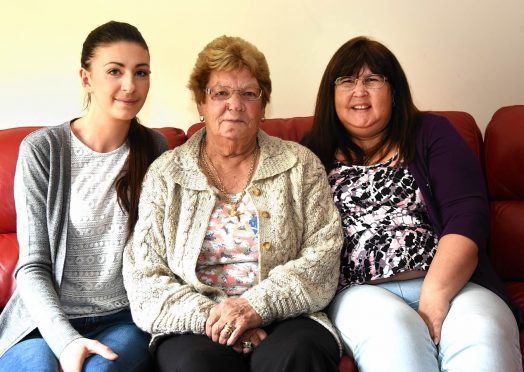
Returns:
<point x="235" y="323"/>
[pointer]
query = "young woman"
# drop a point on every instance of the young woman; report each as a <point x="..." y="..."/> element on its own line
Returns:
<point x="77" y="187"/>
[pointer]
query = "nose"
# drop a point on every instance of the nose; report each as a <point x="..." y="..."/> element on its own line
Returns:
<point x="359" y="89"/>
<point x="235" y="102"/>
<point x="128" y="84"/>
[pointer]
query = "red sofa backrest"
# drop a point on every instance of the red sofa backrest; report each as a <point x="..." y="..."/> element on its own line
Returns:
<point x="175" y="136"/>
<point x="292" y="129"/>
<point x="295" y="128"/>
<point x="9" y="143"/>
<point x="504" y="162"/>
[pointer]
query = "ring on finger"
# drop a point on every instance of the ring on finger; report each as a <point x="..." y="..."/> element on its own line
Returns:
<point x="228" y="328"/>
<point x="247" y="344"/>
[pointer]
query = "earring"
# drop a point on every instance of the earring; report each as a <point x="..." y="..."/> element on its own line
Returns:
<point x="201" y="118"/>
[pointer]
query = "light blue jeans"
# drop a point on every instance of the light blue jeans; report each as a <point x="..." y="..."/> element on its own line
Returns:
<point x="116" y="331"/>
<point x="380" y="327"/>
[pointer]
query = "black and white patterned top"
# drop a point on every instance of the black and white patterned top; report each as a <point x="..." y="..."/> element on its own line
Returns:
<point x="386" y="225"/>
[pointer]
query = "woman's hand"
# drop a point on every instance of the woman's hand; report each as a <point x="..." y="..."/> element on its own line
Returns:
<point x="449" y="272"/>
<point x="74" y="355"/>
<point x="433" y="310"/>
<point x="228" y="320"/>
<point x="249" y="340"/>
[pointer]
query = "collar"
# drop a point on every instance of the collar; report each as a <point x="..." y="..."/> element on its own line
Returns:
<point x="276" y="156"/>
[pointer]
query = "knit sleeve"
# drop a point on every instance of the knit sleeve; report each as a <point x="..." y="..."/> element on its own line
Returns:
<point x="161" y="302"/>
<point x="35" y="265"/>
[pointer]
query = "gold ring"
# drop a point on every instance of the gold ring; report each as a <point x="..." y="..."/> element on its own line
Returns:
<point x="228" y="328"/>
<point x="247" y="344"/>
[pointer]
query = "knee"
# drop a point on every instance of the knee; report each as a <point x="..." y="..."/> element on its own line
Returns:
<point x="481" y="341"/>
<point x="308" y="348"/>
<point x="480" y="326"/>
<point x="195" y="359"/>
<point x="305" y="348"/>
<point x="387" y="324"/>
<point x="138" y="363"/>
<point x="304" y="356"/>
<point x="197" y="355"/>
<point x="480" y="315"/>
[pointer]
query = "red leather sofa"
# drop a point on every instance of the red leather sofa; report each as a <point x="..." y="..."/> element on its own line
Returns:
<point x="501" y="152"/>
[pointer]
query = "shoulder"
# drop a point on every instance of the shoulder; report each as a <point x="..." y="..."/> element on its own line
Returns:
<point x="48" y="134"/>
<point x="180" y="165"/>
<point x="277" y="146"/>
<point x="281" y="156"/>
<point x="54" y="139"/>
<point x="435" y="125"/>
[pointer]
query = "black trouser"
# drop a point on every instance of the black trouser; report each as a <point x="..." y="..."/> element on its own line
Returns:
<point x="299" y="344"/>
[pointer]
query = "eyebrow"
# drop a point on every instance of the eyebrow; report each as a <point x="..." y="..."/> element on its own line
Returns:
<point x="254" y="85"/>
<point x="122" y="65"/>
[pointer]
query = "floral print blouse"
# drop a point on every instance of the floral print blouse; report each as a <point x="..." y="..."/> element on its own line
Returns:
<point x="229" y="256"/>
<point x="386" y="225"/>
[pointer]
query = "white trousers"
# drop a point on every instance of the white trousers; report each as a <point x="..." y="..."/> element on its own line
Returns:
<point x="382" y="330"/>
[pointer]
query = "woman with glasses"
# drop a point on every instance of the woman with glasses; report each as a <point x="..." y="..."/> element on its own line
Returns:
<point x="415" y="291"/>
<point x="236" y="249"/>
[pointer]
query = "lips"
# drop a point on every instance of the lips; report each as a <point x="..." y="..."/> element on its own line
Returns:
<point x="233" y="120"/>
<point x="127" y="101"/>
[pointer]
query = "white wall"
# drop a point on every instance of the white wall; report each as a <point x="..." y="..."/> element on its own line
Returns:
<point x="463" y="55"/>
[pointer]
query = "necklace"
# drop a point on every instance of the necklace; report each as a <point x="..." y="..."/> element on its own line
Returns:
<point x="211" y="171"/>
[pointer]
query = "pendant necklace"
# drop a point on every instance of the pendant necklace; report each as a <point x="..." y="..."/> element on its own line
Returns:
<point x="211" y="171"/>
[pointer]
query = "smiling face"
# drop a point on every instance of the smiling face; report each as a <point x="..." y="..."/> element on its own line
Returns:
<point x="117" y="81"/>
<point x="364" y="112"/>
<point x="235" y="118"/>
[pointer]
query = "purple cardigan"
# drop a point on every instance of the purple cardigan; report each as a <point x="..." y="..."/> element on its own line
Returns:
<point x="451" y="181"/>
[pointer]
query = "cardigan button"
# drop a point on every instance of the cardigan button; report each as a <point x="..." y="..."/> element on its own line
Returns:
<point x="265" y="214"/>
<point x="256" y="191"/>
<point x="266" y="246"/>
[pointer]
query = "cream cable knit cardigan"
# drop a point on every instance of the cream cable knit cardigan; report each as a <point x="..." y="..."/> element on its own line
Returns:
<point x="299" y="233"/>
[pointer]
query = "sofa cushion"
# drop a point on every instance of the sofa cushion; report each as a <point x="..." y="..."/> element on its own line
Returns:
<point x="175" y="136"/>
<point x="9" y="253"/>
<point x="465" y="124"/>
<point x="504" y="148"/>
<point x="504" y="161"/>
<point x="10" y="140"/>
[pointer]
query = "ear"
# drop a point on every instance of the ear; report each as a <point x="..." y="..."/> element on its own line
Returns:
<point x="85" y="78"/>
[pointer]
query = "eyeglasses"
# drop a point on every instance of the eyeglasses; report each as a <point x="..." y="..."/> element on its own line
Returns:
<point x="222" y="93"/>
<point x="373" y="81"/>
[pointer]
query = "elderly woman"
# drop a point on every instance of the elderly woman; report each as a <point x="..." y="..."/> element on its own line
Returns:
<point x="236" y="249"/>
<point x="415" y="285"/>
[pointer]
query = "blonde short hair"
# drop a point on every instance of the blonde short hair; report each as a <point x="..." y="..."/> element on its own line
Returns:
<point x="227" y="53"/>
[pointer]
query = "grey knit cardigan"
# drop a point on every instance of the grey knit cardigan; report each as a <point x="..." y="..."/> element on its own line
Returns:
<point x="44" y="163"/>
